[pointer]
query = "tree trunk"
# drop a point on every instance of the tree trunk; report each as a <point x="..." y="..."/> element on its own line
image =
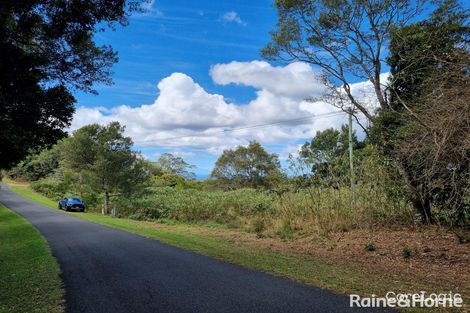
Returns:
<point x="424" y="209"/>
<point x="81" y="185"/>
<point x="420" y="200"/>
<point x="422" y="204"/>
<point x="104" y="211"/>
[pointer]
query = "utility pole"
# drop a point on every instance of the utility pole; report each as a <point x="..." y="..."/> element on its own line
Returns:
<point x="351" y="165"/>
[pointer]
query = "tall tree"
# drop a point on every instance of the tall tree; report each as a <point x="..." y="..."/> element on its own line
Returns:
<point x="176" y="165"/>
<point x="346" y="39"/>
<point x="250" y="166"/>
<point x="103" y="155"/>
<point x="47" y="51"/>
<point x="426" y="128"/>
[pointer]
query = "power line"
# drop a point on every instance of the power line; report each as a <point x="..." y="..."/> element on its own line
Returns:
<point x="330" y="114"/>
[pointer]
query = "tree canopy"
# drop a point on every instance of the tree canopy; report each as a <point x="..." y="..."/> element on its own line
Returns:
<point x="426" y="127"/>
<point x="346" y="39"/>
<point x="250" y="166"/>
<point x="37" y="166"/>
<point x="104" y="156"/>
<point x="327" y="152"/>
<point x="47" y="51"/>
<point x="175" y="165"/>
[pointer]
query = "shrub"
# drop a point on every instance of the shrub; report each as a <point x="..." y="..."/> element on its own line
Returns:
<point x="198" y="205"/>
<point x="406" y="252"/>
<point x="51" y="188"/>
<point x="370" y="246"/>
<point x="259" y="226"/>
<point x="286" y="231"/>
<point x="137" y="216"/>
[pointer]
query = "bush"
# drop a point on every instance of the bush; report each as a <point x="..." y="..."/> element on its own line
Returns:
<point x="370" y="247"/>
<point x="50" y="188"/>
<point x="312" y="210"/>
<point x="197" y="205"/>
<point x="259" y="226"/>
<point x="286" y="231"/>
<point x="406" y="252"/>
<point x="137" y="216"/>
<point x="56" y="189"/>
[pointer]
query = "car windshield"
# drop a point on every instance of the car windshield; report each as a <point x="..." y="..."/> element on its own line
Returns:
<point x="75" y="199"/>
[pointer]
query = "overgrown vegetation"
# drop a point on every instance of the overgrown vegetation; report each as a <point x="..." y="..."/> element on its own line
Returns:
<point x="315" y="199"/>
<point x="420" y="117"/>
<point x="29" y="274"/>
<point x="426" y="127"/>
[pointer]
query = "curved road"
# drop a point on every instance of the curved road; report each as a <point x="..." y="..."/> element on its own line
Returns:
<point x="107" y="270"/>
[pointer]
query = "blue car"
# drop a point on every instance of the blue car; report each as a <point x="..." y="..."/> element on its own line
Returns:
<point x="72" y="203"/>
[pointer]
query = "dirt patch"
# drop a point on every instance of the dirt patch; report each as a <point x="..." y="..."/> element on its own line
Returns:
<point x="430" y="254"/>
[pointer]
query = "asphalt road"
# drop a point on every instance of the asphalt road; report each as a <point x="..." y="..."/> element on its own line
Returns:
<point x="107" y="270"/>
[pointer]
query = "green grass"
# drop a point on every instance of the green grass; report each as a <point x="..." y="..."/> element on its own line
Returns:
<point x="305" y="269"/>
<point x="30" y="194"/>
<point x="29" y="274"/>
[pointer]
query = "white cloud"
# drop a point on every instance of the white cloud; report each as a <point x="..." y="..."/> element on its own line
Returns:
<point x="297" y="80"/>
<point x="180" y="153"/>
<point x="290" y="150"/>
<point x="184" y="115"/>
<point x="183" y="154"/>
<point x="233" y="17"/>
<point x="149" y="10"/>
<point x="182" y="103"/>
<point x="364" y="92"/>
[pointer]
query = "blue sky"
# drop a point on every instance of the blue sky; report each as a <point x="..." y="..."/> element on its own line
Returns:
<point x="182" y="36"/>
<point x="177" y="86"/>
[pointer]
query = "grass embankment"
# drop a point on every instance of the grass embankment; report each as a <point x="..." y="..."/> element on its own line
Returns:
<point x="29" y="274"/>
<point x="343" y="278"/>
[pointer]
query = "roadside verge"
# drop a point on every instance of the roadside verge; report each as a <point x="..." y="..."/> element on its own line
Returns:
<point x="29" y="274"/>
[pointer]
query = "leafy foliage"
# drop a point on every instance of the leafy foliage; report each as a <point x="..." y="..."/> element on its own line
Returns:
<point x="327" y="153"/>
<point x="175" y="181"/>
<point x="37" y="166"/>
<point x="344" y="38"/>
<point x="47" y="51"/>
<point x="426" y="128"/>
<point x="249" y="166"/>
<point x="192" y="205"/>
<point x="175" y="165"/>
<point x="103" y="157"/>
